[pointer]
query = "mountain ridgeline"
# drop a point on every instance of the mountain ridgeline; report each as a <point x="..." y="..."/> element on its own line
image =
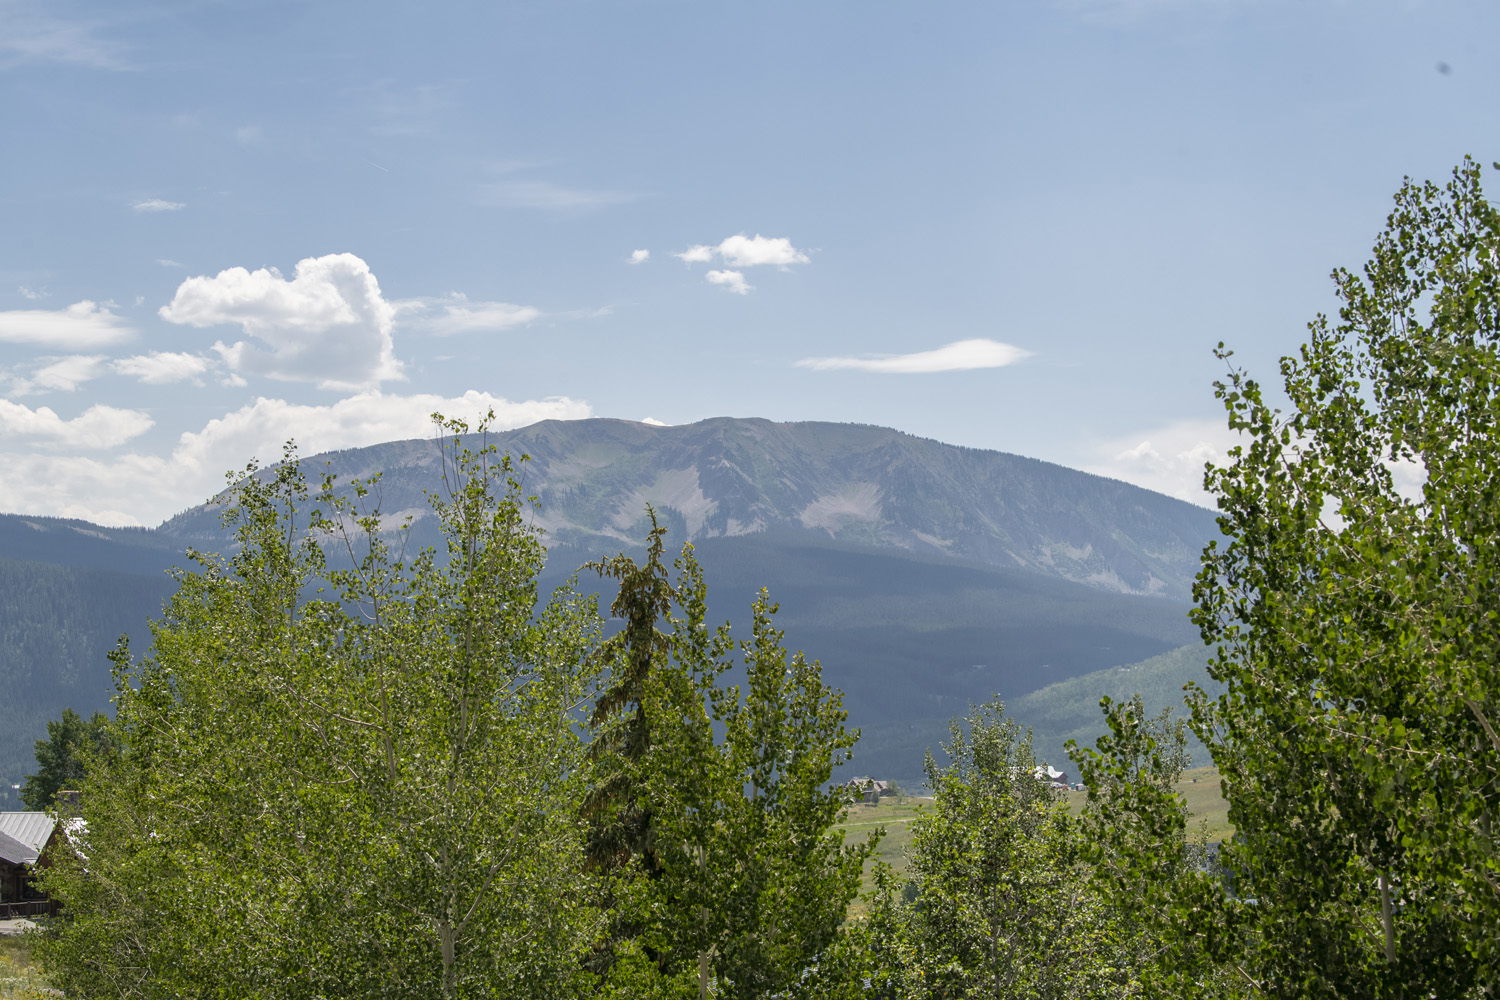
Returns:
<point x="852" y="483"/>
<point x="924" y="576"/>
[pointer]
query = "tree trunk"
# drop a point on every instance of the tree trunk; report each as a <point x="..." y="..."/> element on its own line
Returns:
<point x="450" y="961"/>
<point x="1387" y="920"/>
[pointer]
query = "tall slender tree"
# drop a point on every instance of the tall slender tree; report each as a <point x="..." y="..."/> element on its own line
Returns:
<point x="737" y="875"/>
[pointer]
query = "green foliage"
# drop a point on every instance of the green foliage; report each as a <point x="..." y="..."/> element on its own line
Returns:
<point x="367" y="788"/>
<point x="1157" y="879"/>
<point x="61" y="757"/>
<point x="736" y="874"/>
<point x="620" y="827"/>
<point x="1359" y="623"/>
<point x="998" y="900"/>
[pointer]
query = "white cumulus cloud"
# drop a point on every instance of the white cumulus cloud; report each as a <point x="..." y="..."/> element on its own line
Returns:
<point x="260" y="428"/>
<point x="742" y="251"/>
<point x="734" y="281"/>
<point x="80" y="326"/>
<point x="158" y="205"/>
<point x="329" y="324"/>
<point x="699" y="254"/>
<point x="639" y="256"/>
<point x="747" y="251"/>
<point x="456" y="314"/>
<point x="97" y="427"/>
<point x="1168" y="459"/>
<point x="960" y="355"/>
<point x="162" y="367"/>
<point x="145" y="488"/>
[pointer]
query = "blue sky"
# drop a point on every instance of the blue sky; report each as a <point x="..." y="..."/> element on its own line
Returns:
<point x="1002" y="225"/>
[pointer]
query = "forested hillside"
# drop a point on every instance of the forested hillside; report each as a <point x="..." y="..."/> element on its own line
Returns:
<point x="1069" y="710"/>
<point x="56" y="624"/>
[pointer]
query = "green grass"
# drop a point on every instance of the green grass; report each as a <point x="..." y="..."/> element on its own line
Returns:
<point x="895" y="813"/>
<point x="1208" y="813"/>
<point x="1206" y="806"/>
<point x="20" y="977"/>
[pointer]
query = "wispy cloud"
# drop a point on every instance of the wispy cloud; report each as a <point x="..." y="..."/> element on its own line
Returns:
<point x="640" y="256"/>
<point x="67" y="374"/>
<point x="454" y="314"/>
<point x="961" y="355"/>
<point x="163" y="367"/>
<point x="543" y="194"/>
<point x="30" y="32"/>
<point x="398" y="111"/>
<point x="1125" y="11"/>
<point x="80" y="326"/>
<point x="158" y="205"/>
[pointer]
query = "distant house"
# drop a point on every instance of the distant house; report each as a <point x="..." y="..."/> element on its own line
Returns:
<point x="867" y="789"/>
<point x="1051" y="775"/>
<point x="24" y="840"/>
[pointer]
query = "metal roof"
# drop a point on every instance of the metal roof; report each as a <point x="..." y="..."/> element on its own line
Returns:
<point x="15" y="852"/>
<point x="32" y="829"/>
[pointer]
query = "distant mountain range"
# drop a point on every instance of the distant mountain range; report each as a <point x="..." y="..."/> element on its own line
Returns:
<point x="923" y="575"/>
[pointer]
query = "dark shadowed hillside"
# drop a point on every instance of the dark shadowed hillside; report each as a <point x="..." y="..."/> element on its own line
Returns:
<point x="56" y="624"/>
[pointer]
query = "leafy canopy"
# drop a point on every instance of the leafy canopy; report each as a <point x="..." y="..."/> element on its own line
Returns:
<point x="62" y="757"/>
<point x="344" y="781"/>
<point x="1356" y="604"/>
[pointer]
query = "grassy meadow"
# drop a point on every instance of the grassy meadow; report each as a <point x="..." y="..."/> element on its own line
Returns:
<point x="1208" y="816"/>
<point x="20" y="978"/>
<point x="1208" y="813"/>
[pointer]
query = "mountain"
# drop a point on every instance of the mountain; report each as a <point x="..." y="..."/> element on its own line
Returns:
<point x="924" y="576"/>
<point x="852" y="483"/>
